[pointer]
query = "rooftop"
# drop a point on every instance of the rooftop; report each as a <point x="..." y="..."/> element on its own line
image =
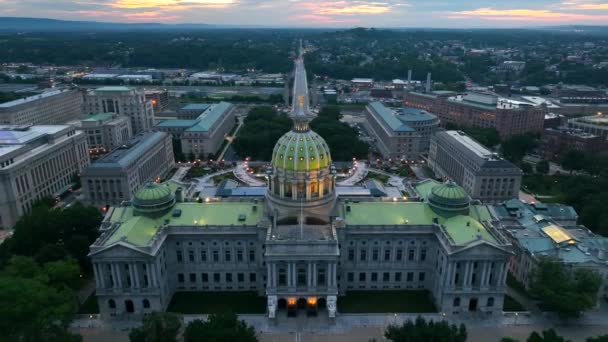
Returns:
<point x="124" y="155"/>
<point x="99" y="117"/>
<point x="19" y="135"/>
<point x="210" y="117"/>
<point x="139" y="230"/>
<point x="196" y="106"/>
<point x="32" y="98"/>
<point x="462" y="229"/>
<point x="114" y="88"/>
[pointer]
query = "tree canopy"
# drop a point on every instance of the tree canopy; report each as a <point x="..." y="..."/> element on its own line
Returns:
<point x="567" y="292"/>
<point x="422" y="330"/>
<point x="220" y="328"/>
<point x="157" y="327"/>
<point x="263" y="126"/>
<point x="343" y="140"/>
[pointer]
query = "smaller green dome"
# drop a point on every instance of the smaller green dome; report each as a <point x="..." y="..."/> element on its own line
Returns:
<point x="449" y="199"/>
<point x="153" y="197"/>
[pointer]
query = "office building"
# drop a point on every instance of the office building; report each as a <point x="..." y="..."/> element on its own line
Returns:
<point x="49" y="108"/>
<point x="401" y="134"/>
<point x="37" y="162"/>
<point x="483" y="174"/>
<point x="557" y="141"/>
<point x="507" y="116"/>
<point x="594" y="124"/>
<point x="115" y="177"/>
<point x="192" y="111"/>
<point x="127" y="101"/>
<point x="204" y="135"/>
<point x="299" y="246"/>
<point x="106" y="131"/>
<point x="159" y="99"/>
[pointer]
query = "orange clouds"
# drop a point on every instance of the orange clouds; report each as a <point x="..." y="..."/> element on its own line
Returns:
<point x="130" y="17"/>
<point x="171" y="4"/>
<point x="532" y="15"/>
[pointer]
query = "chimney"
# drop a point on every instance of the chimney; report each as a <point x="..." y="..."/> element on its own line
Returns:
<point x="428" y="82"/>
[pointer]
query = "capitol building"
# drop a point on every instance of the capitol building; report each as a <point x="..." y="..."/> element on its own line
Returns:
<point x="301" y="245"/>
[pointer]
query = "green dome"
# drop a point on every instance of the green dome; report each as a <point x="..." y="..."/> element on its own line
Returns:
<point x="301" y="151"/>
<point x="449" y="199"/>
<point x="153" y="197"/>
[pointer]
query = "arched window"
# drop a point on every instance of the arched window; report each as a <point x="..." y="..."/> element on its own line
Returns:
<point x="112" y="304"/>
<point x="456" y="301"/>
<point x="146" y="304"/>
<point x="129" y="306"/>
<point x="490" y="301"/>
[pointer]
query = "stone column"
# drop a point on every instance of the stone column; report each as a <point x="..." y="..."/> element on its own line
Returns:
<point x="268" y="275"/>
<point x="321" y="187"/>
<point x="155" y="281"/>
<point x="446" y="274"/>
<point x="149" y="275"/>
<point x="309" y="275"/>
<point x="314" y="274"/>
<point x="96" y="272"/>
<point x="503" y="276"/>
<point x="136" y="271"/>
<point x="294" y="192"/>
<point x="131" y="276"/>
<point x="102" y="280"/>
<point x="484" y="274"/>
<point x="329" y="272"/>
<point x="282" y="189"/>
<point x="465" y="278"/>
<point x="308" y="193"/>
<point x="274" y="274"/>
<point x="334" y="275"/>
<point x="118" y="275"/>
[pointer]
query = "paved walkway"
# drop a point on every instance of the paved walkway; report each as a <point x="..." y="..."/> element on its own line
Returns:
<point x="207" y="181"/>
<point x="230" y="140"/>
<point x="240" y="172"/>
<point x="393" y="179"/>
<point x="180" y="173"/>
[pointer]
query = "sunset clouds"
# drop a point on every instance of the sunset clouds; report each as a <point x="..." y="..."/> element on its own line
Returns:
<point x="300" y="13"/>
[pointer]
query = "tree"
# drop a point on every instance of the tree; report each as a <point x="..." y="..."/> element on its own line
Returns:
<point x="508" y="339"/>
<point x="157" y="327"/>
<point x="546" y="336"/>
<point x="421" y="330"/>
<point x="516" y="147"/>
<point x="602" y="338"/>
<point x="573" y="160"/>
<point x="543" y="167"/>
<point x="566" y="292"/>
<point x="261" y="129"/>
<point x="35" y="303"/>
<point x="526" y="167"/>
<point x="220" y="328"/>
<point x="343" y="140"/>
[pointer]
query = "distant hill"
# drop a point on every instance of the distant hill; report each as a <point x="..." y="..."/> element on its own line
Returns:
<point x="16" y="24"/>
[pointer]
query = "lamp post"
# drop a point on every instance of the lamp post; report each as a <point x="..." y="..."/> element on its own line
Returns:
<point x="516" y="316"/>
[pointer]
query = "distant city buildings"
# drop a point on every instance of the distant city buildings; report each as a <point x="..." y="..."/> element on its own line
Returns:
<point x="483" y="174"/>
<point x="106" y="131"/>
<point x="204" y="135"/>
<point x="127" y="101"/>
<point x="594" y="124"/>
<point x="37" y="162"/>
<point x="362" y="82"/>
<point x="512" y="66"/>
<point x="508" y="117"/>
<point x="114" y="178"/>
<point x="402" y="134"/>
<point x="49" y="108"/>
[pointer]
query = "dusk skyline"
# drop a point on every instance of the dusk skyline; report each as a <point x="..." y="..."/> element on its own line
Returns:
<point x="318" y="13"/>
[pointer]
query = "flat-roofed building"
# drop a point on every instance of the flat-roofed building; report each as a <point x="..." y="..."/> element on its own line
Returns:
<point x="474" y="109"/>
<point x="192" y="111"/>
<point x="37" y="162"/>
<point x="557" y="141"/>
<point x="403" y="133"/>
<point x="205" y="134"/>
<point x="159" y="99"/>
<point x="49" y="108"/>
<point x="106" y="131"/>
<point x="148" y="157"/>
<point x="127" y="101"/>
<point x="483" y="174"/>
<point x="594" y="124"/>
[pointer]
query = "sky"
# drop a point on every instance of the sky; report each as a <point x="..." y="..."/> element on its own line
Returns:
<point x="322" y="13"/>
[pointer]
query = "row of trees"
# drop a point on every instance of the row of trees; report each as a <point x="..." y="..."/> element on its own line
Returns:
<point x="167" y="327"/>
<point x="343" y="140"/>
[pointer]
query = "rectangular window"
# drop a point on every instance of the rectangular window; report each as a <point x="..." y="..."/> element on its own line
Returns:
<point x="216" y="256"/>
<point x="239" y="255"/>
<point x="423" y="254"/>
<point x="399" y="255"/>
<point x="375" y="254"/>
<point x="350" y="276"/>
<point x="397" y="276"/>
<point x="203" y="256"/>
<point x="410" y="254"/>
<point x="351" y="254"/>
<point x="374" y="276"/>
<point x="229" y="277"/>
<point x="386" y="276"/>
<point x="421" y="276"/>
<point x="180" y="277"/>
<point x="227" y="256"/>
<point x="251" y="255"/>
<point x="240" y="277"/>
<point x="362" y="276"/>
<point x="363" y="255"/>
<point x="410" y="276"/>
<point x="191" y="256"/>
<point x="180" y="257"/>
<point x="216" y="277"/>
<point x="387" y="254"/>
<point x="204" y="277"/>
<point x="252" y="277"/>
<point x="193" y="277"/>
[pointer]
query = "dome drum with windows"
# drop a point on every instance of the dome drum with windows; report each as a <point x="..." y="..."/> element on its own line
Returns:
<point x="153" y="198"/>
<point x="449" y="200"/>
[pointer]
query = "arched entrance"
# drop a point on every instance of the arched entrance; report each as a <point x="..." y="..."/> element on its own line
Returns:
<point x="473" y="304"/>
<point x="129" y="307"/>
<point x="321" y="303"/>
<point x="301" y="303"/>
<point x="282" y="304"/>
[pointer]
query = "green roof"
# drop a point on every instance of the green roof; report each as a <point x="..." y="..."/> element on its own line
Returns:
<point x="301" y="151"/>
<point x="177" y="123"/>
<point x="114" y="88"/>
<point x="98" y="117"/>
<point x="424" y="187"/>
<point x="210" y="117"/>
<point x="152" y="192"/>
<point x="450" y="191"/>
<point x="416" y="213"/>
<point x="138" y="230"/>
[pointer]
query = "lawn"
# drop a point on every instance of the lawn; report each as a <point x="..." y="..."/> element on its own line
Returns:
<point x="511" y="305"/>
<point x="393" y="301"/>
<point x="245" y="302"/>
<point x="89" y="306"/>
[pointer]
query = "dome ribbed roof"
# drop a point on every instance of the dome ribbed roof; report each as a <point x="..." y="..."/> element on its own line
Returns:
<point x="153" y="197"/>
<point x="449" y="199"/>
<point x="301" y="151"/>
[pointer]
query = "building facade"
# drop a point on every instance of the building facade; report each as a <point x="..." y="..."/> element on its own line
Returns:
<point x="115" y="177"/>
<point x="106" y="131"/>
<point x="159" y="99"/>
<point x="595" y="124"/>
<point x="403" y="134"/>
<point x="300" y="245"/>
<point x="557" y="141"/>
<point x="483" y="174"/>
<point x="207" y="135"/>
<point x="127" y="101"/>
<point x="37" y="162"/>
<point x="508" y="117"/>
<point x="53" y="107"/>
